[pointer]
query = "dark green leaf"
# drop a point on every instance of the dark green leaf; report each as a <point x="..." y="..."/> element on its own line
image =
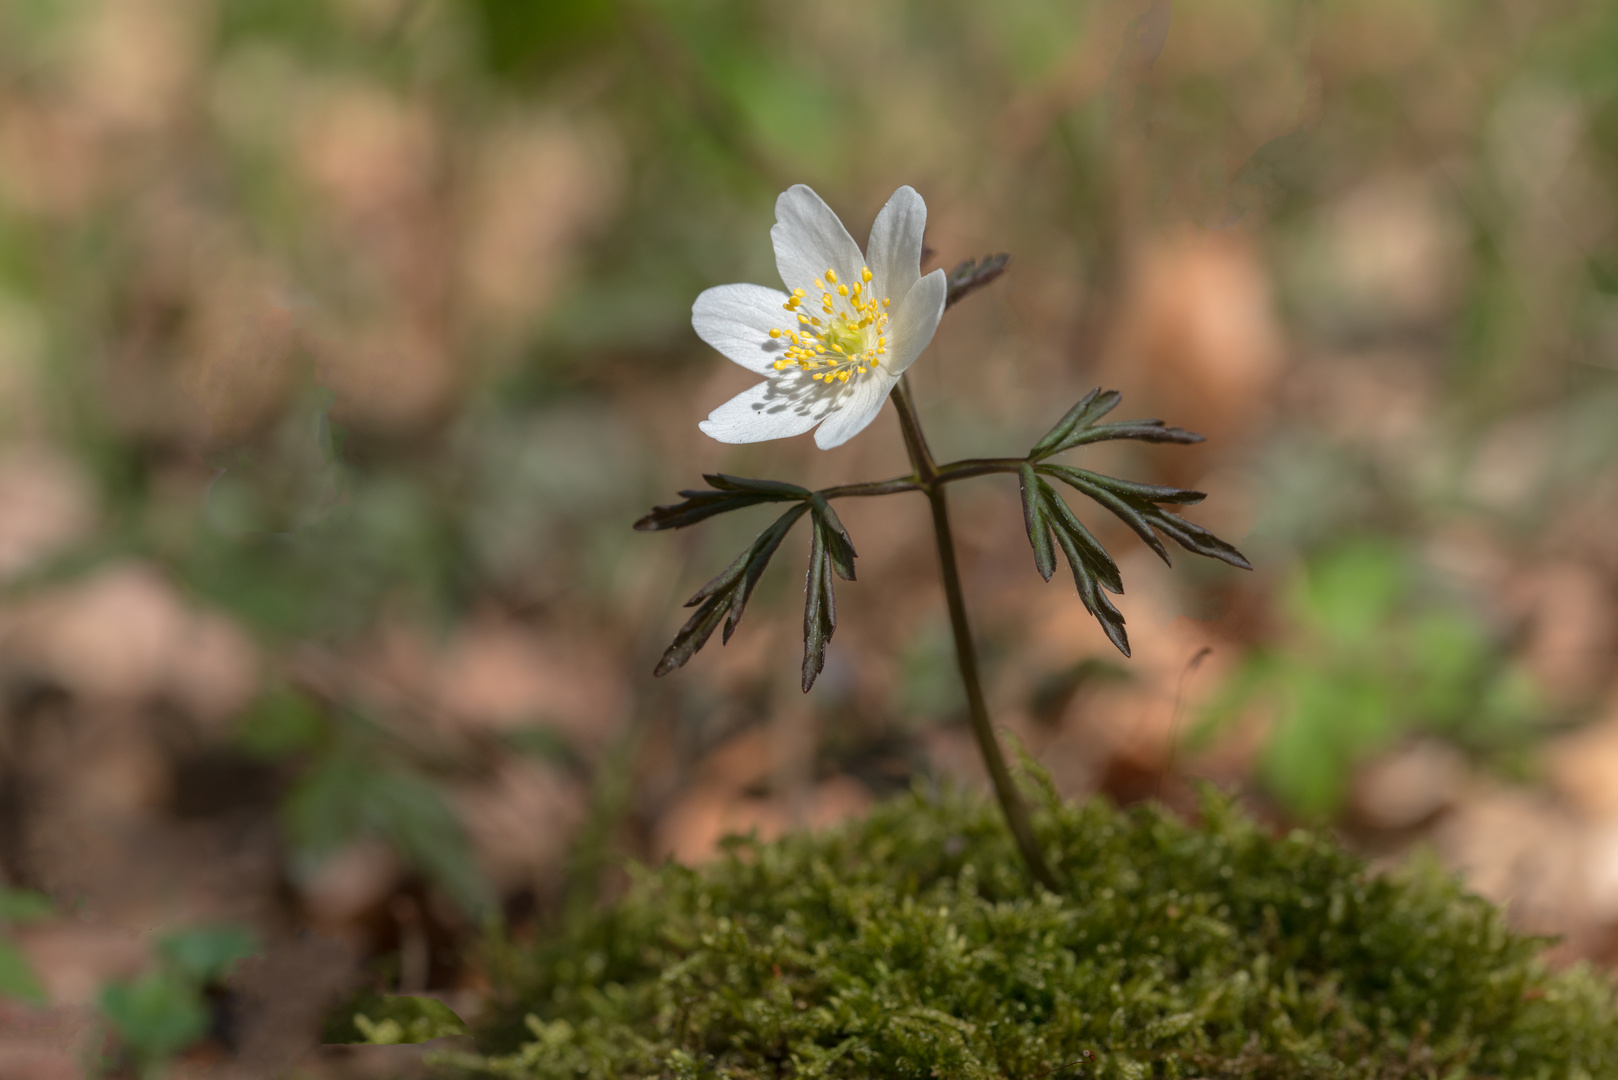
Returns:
<point x="730" y="493"/>
<point x="1064" y="520"/>
<point x="1033" y="516"/>
<point x="1090" y="591"/>
<point x="1093" y="569"/>
<point x="1145" y="430"/>
<point x="17" y="978"/>
<point x="1092" y="407"/>
<point x="1079" y="427"/>
<point x="1194" y="538"/>
<point x="838" y="544"/>
<point x="1133" y="489"/>
<point x="779" y="489"/>
<point x="693" y="635"/>
<point x="972" y="275"/>
<point x="1126" y="511"/>
<point x="727" y="594"/>
<point x="819" y="607"/>
<point x="1135" y="505"/>
<point x="760" y="553"/>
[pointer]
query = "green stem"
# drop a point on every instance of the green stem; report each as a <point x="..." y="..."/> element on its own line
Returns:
<point x="874" y="487"/>
<point x="929" y="479"/>
<point x="941" y="474"/>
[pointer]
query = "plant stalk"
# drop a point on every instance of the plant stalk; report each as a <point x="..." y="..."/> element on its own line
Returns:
<point x="966" y="660"/>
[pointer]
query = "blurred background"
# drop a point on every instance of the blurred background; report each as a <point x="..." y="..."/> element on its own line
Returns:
<point x="342" y="341"/>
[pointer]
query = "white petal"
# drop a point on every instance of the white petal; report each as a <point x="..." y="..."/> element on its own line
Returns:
<point x="737" y="319"/>
<point x="894" y="251"/>
<point x="858" y="405"/>
<point x="779" y="408"/>
<point x="809" y="240"/>
<point x="914" y="322"/>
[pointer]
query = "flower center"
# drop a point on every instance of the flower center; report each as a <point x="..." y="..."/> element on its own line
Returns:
<point x="844" y="338"/>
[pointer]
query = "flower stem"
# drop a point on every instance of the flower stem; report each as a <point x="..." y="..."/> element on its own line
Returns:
<point x="929" y="480"/>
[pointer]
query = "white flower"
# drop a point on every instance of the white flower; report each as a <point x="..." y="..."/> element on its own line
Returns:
<point x="836" y="342"/>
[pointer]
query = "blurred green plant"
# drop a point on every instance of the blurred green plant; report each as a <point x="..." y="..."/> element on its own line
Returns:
<point x="359" y="780"/>
<point x="1376" y="659"/>
<point x="391" y="1019"/>
<point x="17" y="976"/>
<point x="161" y="1012"/>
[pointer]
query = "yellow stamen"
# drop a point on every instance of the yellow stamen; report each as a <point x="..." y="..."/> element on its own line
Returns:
<point x="831" y="276"/>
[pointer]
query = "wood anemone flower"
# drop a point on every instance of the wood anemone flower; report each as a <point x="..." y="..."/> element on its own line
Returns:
<point x="834" y="344"/>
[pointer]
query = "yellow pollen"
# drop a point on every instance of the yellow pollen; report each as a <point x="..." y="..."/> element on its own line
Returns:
<point x="842" y="290"/>
<point x="831" y="276"/>
<point x="821" y="285"/>
<point x="865" y="273"/>
<point x="798" y="293"/>
<point x="775" y="333"/>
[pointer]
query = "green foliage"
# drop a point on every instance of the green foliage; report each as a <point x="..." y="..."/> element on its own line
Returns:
<point x="347" y="795"/>
<point x="162" y="1011"/>
<point x="911" y="945"/>
<point x="358" y="780"/>
<point x="205" y="954"/>
<point x="1370" y="666"/>
<point x="280" y="723"/>
<point x="391" y="1019"/>
<point x="156" y="1015"/>
<point x="23" y="905"/>
<point x="17" y="976"/>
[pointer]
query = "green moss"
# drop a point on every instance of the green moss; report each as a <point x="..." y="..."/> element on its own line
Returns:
<point x="910" y="945"/>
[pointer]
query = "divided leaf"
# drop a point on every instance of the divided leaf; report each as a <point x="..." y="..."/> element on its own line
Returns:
<point x="724" y="598"/>
<point x="838" y="545"/>
<point x="1092" y="407"/>
<point x="1068" y="524"/>
<point x="1093" y="569"/>
<point x="1034" y="519"/>
<point x="973" y="274"/>
<point x="1079" y="427"/>
<point x="819" y="606"/>
<point x="1136" y="506"/>
<point x="730" y="493"/>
